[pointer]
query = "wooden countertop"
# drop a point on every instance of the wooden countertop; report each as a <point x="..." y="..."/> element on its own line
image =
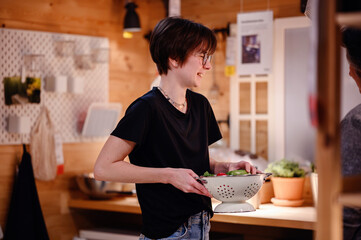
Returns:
<point x="126" y="204"/>
<point x="267" y="215"/>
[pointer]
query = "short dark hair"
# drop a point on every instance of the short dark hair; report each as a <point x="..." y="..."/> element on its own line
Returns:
<point x="176" y="38"/>
<point x="351" y="40"/>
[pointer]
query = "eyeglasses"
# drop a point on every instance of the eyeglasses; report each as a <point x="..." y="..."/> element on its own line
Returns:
<point x="206" y="58"/>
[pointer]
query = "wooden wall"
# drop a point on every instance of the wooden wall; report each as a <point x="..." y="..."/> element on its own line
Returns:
<point x="131" y="72"/>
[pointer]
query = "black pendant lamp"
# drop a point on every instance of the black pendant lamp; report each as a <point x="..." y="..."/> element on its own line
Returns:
<point x="131" y="20"/>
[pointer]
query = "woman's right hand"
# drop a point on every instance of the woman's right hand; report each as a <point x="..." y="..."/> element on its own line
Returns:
<point x="184" y="180"/>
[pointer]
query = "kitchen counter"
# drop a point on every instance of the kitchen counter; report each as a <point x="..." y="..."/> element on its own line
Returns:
<point x="267" y="215"/>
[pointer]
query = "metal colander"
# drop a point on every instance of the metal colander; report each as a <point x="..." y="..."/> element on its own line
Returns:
<point x="233" y="191"/>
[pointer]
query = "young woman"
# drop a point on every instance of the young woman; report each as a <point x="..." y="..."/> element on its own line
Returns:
<point x="166" y="133"/>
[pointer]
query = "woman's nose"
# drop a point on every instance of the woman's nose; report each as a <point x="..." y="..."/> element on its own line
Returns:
<point x="208" y="65"/>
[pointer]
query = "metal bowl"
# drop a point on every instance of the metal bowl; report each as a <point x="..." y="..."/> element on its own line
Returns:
<point x="233" y="191"/>
<point x="96" y="189"/>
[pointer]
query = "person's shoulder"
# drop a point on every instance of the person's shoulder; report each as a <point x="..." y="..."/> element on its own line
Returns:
<point x="356" y="117"/>
<point x="149" y="96"/>
<point x="354" y="111"/>
<point x="144" y="101"/>
<point x="197" y="96"/>
<point x="353" y="118"/>
<point x="357" y="108"/>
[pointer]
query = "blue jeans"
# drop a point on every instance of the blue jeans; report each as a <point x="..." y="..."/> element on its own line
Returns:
<point x="351" y="223"/>
<point x="196" y="228"/>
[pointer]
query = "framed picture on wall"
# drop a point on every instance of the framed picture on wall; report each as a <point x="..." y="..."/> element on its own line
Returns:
<point x="19" y="92"/>
<point x="254" y="36"/>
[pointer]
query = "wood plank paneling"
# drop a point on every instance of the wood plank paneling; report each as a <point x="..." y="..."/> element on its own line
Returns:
<point x="219" y="13"/>
<point x="261" y="138"/>
<point x="245" y="98"/>
<point x="245" y="135"/>
<point x="261" y="98"/>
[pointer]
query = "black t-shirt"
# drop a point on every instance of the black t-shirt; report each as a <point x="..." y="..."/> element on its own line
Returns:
<point x="166" y="137"/>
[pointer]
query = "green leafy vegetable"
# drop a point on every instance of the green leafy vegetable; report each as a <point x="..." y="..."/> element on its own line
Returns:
<point x="207" y="174"/>
<point x="230" y="173"/>
<point x="237" y="172"/>
<point x="285" y="168"/>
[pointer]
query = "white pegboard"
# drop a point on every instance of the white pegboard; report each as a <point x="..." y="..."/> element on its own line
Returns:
<point x="65" y="108"/>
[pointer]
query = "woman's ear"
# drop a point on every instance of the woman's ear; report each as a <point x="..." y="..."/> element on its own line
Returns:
<point x="173" y="63"/>
<point x="352" y="71"/>
<point x="355" y="76"/>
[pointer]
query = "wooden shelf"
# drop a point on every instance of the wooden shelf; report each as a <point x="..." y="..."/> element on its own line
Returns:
<point x="352" y="19"/>
<point x="350" y="199"/>
<point x="267" y="215"/>
<point x="126" y="204"/>
<point x="273" y="216"/>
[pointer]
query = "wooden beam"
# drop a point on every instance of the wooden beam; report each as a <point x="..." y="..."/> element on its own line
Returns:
<point x="351" y="19"/>
<point x="329" y="222"/>
<point x="351" y="199"/>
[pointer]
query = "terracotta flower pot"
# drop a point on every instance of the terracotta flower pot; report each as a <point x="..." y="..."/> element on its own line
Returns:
<point x="314" y="187"/>
<point x="288" y="188"/>
<point x="266" y="192"/>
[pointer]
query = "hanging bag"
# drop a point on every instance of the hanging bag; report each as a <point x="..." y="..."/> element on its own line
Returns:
<point x="25" y="218"/>
<point x="42" y="146"/>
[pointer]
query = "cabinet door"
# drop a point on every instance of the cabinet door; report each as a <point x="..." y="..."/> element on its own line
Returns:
<point x="249" y="113"/>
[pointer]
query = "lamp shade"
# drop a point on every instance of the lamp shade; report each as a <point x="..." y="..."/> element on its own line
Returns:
<point x="131" y="20"/>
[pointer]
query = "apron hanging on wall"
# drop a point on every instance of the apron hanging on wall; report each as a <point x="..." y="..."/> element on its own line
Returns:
<point x="25" y="219"/>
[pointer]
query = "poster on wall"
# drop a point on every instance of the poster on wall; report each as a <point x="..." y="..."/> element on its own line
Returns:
<point x="255" y="42"/>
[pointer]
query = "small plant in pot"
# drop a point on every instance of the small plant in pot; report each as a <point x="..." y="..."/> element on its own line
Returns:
<point x="288" y="181"/>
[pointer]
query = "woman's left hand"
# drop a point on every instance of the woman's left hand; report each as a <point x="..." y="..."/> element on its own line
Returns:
<point x="224" y="167"/>
<point x="243" y="165"/>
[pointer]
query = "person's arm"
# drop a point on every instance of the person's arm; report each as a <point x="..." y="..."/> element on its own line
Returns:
<point x="224" y="167"/>
<point x="110" y="166"/>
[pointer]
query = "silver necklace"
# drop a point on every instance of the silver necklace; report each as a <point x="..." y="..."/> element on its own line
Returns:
<point x="175" y="104"/>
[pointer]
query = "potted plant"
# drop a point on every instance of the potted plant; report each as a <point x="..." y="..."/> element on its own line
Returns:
<point x="288" y="181"/>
